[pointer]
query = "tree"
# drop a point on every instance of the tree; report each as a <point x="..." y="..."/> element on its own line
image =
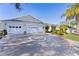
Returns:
<point x="73" y="23"/>
<point x="18" y="6"/>
<point x="63" y="28"/>
<point x="48" y="28"/>
<point x="73" y="12"/>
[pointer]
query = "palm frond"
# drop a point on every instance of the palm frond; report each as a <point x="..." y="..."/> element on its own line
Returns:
<point x="63" y="15"/>
<point x="18" y="6"/>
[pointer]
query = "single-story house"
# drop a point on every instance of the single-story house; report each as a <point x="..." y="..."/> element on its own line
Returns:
<point x="71" y="29"/>
<point x="23" y="25"/>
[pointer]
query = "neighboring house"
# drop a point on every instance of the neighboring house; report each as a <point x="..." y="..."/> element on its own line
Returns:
<point x="23" y="25"/>
<point x="71" y="29"/>
<point x="57" y="27"/>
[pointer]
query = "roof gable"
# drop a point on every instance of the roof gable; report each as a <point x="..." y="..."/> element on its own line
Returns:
<point x="28" y="18"/>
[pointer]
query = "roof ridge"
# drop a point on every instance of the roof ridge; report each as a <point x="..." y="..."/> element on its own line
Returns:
<point x="25" y="19"/>
<point x="30" y="16"/>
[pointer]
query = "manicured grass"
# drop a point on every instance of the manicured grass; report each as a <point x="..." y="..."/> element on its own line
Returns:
<point x="72" y="37"/>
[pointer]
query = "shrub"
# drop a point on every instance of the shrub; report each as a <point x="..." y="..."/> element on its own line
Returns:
<point x="61" y="31"/>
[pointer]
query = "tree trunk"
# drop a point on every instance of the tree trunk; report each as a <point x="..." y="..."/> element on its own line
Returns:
<point x="77" y="25"/>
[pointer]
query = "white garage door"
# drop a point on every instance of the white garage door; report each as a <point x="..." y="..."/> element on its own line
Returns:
<point x="15" y="30"/>
<point x="34" y="29"/>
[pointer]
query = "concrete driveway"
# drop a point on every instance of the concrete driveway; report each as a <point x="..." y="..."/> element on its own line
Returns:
<point x="37" y="45"/>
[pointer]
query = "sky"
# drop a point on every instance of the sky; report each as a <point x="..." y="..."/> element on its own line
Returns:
<point x="46" y="12"/>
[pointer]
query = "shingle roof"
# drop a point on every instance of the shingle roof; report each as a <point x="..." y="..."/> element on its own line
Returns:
<point x="27" y="18"/>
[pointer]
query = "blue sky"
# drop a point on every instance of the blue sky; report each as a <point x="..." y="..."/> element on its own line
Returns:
<point x="46" y="12"/>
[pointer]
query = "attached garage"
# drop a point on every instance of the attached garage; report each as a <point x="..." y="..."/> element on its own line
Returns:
<point x="23" y="25"/>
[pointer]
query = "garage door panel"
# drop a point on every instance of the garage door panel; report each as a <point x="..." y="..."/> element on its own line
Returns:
<point x="15" y="30"/>
<point x="34" y="30"/>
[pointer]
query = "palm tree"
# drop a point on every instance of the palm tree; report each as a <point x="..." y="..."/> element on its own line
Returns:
<point x="73" y="12"/>
<point x="18" y="6"/>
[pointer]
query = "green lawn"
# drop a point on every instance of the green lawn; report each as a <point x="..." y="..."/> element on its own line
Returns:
<point x="72" y="37"/>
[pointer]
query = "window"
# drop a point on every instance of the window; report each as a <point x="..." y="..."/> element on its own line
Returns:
<point x="16" y="26"/>
<point x="9" y="26"/>
<point x="13" y="26"/>
<point x="5" y="24"/>
<point x="19" y="26"/>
